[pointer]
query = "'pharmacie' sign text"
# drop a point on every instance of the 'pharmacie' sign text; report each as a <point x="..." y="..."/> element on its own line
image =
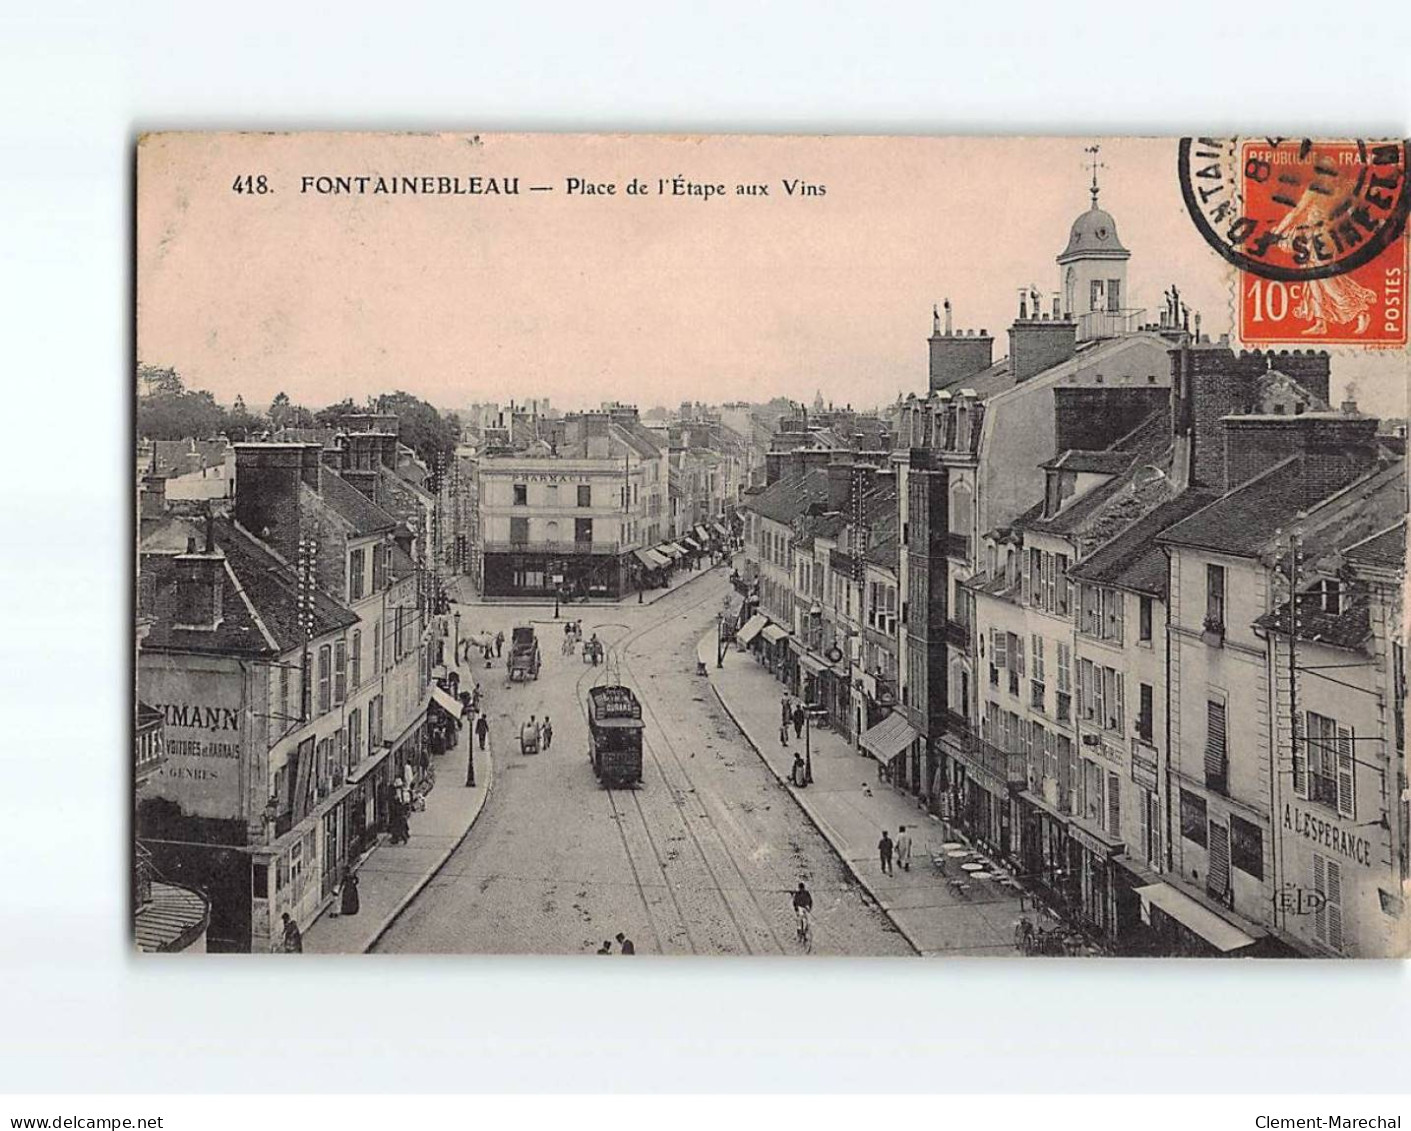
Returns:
<point x="1327" y="834"/>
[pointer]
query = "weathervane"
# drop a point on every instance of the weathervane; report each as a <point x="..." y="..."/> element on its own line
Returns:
<point x="1093" y="151"/>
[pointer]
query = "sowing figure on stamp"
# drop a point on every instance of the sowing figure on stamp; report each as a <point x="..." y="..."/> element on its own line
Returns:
<point x="1338" y="298"/>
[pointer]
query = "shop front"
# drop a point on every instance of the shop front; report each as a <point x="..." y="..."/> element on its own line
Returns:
<point x="889" y="742"/>
<point x="1045" y="857"/>
<point x="1186" y="927"/>
<point x="778" y="656"/>
<point x="1092" y="859"/>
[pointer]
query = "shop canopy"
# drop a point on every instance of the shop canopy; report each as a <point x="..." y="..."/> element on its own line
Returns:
<point x="719" y="529"/>
<point x="445" y="700"/>
<point x="773" y="633"/>
<point x="670" y="549"/>
<point x="702" y="534"/>
<point x="752" y="628"/>
<point x="690" y="543"/>
<point x="812" y="664"/>
<point x="651" y="559"/>
<point x="1223" y="936"/>
<point x="888" y="738"/>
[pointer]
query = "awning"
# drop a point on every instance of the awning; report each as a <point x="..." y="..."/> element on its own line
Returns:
<point x="1216" y="931"/>
<point x="808" y="663"/>
<point x="719" y="529"/>
<point x="752" y="628"/>
<point x="888" y="738"/>
<point x="651" y="559"/>
<point x="702" y="534"/>
<point x="445" y="700"/>
<point x="691" y="544"/>
<point x="773" y="633"/>
<point x="670" y="550"/>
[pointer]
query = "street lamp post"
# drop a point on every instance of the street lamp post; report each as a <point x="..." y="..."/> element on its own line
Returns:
<point x="809" y="710"/>
<point x="720" y="644"/>
<point x="456" y="641"/>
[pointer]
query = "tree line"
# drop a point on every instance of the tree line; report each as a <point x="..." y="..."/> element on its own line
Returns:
<point x="168" y="410"/>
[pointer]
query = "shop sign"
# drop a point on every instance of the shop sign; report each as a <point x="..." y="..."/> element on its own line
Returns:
<point x="202" y="716"/>
<point x="1299" y="901"/>
<point x="1144" y="766"/>
<point x="1327" y="834"/>
<point x="1092" y="843"/>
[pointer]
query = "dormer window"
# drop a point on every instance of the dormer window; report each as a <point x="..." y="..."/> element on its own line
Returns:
<point x="1329" y="595"/>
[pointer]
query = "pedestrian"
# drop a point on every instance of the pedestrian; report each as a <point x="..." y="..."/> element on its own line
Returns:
<point x="624" y="944"/>
<point x="499" y="644"/>
<point x="798" y="720"/>
<point x="548" y="733"/>
<point x="397" y="824"/>
<point x="799" y="772"/>
<point x="904" y="849"/>
<point x="884" y="851"/>
<point x="784" y="713"/>
<point x="482" y="730"/>
<point x="467" y="710"/>
<point x="454" y="679"/>
<point x="293" y="940"/>
<point x="784" y="734"/>
<point x="606" y="948"/>
<point x="350" y="903"/>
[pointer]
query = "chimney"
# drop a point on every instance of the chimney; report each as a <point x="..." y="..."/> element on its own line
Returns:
<point x="268" y="478"/>
<point x="839" y="486"/>
<point x="364" y="456"/>
<point x="311" y="465"/>
<point x="1336" y="449"/>
<point x="154" y="496"/>
<point x="389" y="450"/>
<point x="200" y="585"/>
<point x="1040" y="343"/>
<point x="958" y="356"/>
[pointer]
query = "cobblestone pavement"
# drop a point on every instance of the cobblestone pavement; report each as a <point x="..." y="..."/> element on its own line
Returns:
<point x="700" y="859"/>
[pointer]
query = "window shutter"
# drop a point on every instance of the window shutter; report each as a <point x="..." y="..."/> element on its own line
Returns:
<point x="1116" y="709"/>
<point x="1028" y="589"/>
<point x="1114" y="806"/>
<point x="1144" y="824"/>
<point x="1300" y="757"/>
<point x="1214" y="741"/>
<point x="1334" y="893"/>
<point x="1320" y="885"/>
<point x="1347" y="774"/>
<point x="997" y="647"/>
<point x="1117" y="602"/>
<point x="1016" y="645"/>
<point x="1219" y="879"/>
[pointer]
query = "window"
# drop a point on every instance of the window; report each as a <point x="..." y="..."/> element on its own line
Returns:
<point x="356" y="580"/>
<point x="519" y="530"/>
<point x="1114" y="295"/>
<point x="521" y="494"/>
<point x="379" y="568"/>
<point x="376" y="648"/>
<point x="1246" y="847"/>
<point x="1327" y="773"/>
<point x="357" y="665"/>
<point x="1144" y="710"/>
<point x="1112" y="682"/>
<point x="1150" y="808"/>
<point x="1062" y="588"/>
<point x="1036" y="685"/>
<point x="585" y="494"/>
<point x="1193" y="818"/>
<point x="1217" y="764"/>
<point x="1111" y="615"/>
<point x="1090" y="620"/>
<point x="551" y="494"/>
<point x="1092" y="792"/>
<point x="1065" y="678"/>
<point x="582" y="529"/>
<point x="325" y="691"/>
<point x="1327" y="920"/>
<point x="1144" y="620"/>
<point x="1095" y="294"/>
<point x="340" y="671"/>
<point x="1215" y="598"/>
<point x="355" y="737"/>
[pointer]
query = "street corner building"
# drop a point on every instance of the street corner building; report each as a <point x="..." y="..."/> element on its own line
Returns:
<point x="285" y="648"/>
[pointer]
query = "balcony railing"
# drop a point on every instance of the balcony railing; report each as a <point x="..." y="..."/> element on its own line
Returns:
<point x="557" y="549"/>
<point x="1006" y="765"/>
<point x="1108" y="323"/>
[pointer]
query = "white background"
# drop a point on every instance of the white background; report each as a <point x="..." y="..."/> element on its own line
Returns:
<point x="77" y="83"/>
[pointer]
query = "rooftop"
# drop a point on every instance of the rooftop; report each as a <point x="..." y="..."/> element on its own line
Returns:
<point x="355" y="508"/>
<point x="1132" y="560"/>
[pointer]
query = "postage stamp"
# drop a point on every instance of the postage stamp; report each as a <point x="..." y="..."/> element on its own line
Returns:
<point x="1316" y="228"/>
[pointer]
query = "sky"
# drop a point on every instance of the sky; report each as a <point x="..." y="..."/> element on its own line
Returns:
<point x="652" y="299"/>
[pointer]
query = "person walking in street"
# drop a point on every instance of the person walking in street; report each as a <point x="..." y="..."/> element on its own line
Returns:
<point x="606" y="948"/>
<point x="548" y="733"/>
<point x="784" y="734"/>
<point x="293" y="940"/>
<point x="884" y="852"/>
<point x="350" y="904"/>
<point x="904" y="849"/>
<point x="798" y="720"/>
<point x="499" y="644"/>
<point x="798" y="774"/>
<point x="482" y="730"/>
<point x="624" y="944"/>
<point x="784" y="713"/>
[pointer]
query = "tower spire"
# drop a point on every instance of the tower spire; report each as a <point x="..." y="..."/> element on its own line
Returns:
<point x="1095" y="164"/>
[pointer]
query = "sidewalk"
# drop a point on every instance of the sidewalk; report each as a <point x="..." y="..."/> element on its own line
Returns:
<point x="851" y="807"/>
<point x="392" y="875"/>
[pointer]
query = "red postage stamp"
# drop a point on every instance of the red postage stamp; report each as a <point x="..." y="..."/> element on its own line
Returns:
<point x="1317" y="229"/>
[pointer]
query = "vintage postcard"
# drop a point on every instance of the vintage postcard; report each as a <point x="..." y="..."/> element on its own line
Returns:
<point x="792" y="546"/>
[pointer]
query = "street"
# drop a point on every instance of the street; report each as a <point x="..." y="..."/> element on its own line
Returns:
<point x="699" y="859"/>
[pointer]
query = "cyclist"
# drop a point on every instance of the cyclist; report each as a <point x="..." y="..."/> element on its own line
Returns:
<point x="803" y="909"/>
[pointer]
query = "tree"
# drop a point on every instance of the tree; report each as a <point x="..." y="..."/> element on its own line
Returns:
<point x="421" y="427"/>
<point x="241" y="423"/>
<point x="153" y="381"/>
<point x="280" y="410"/>
<point x="179" y="416"/>
<point x="330" y="416"/>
